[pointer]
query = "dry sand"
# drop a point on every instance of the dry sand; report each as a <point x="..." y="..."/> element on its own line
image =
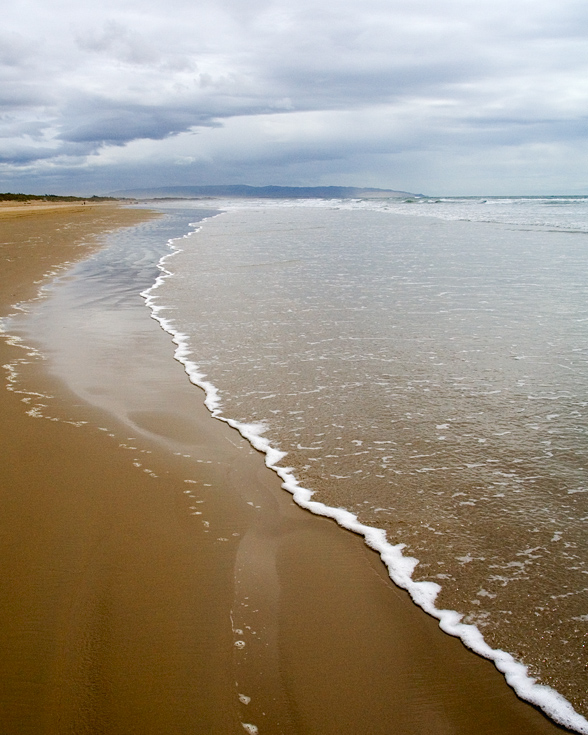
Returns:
<point x="120" y="607"/>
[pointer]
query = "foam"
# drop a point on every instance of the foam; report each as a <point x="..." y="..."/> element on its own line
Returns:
<point x="529" y="211"/>
<point x="400" y="567"/>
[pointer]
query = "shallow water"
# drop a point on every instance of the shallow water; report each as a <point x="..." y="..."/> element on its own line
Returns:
<point x="428" y="375"/>
<point x="98" y="301"/>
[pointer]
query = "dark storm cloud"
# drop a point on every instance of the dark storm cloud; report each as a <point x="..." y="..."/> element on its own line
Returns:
<point x="101" y="121"/>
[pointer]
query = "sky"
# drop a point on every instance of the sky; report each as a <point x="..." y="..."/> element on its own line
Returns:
<point x="441" y="97"/>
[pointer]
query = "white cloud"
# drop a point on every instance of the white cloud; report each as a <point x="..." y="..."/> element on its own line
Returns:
<point x="293" y="92"/>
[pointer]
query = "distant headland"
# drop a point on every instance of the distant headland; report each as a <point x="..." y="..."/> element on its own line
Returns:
<point x="261" y="192"/>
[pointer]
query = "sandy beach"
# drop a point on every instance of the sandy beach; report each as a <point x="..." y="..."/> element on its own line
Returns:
<point x="122" y="612"/>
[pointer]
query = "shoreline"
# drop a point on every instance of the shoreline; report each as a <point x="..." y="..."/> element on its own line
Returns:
<point x="122" y="610"/>
<point x="400" y="567"/>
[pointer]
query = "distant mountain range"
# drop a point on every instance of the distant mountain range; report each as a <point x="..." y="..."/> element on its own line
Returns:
<point x="262" y="192"/>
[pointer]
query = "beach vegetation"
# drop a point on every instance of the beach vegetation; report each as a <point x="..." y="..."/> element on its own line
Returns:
<point x="9" y="197"/>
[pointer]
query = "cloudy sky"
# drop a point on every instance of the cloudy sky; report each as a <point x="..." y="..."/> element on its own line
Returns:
<point x="432" y="96"/>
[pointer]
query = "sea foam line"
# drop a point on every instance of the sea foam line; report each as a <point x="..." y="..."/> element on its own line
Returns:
<point x="400" y="567"/>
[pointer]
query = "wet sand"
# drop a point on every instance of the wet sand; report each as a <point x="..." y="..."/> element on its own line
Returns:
<point x="123" y="611"/>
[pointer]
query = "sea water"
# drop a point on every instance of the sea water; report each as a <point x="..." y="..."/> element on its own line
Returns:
<point x="417" y="367"/>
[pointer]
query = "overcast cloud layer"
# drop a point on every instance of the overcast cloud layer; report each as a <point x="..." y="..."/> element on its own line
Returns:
<point x="433" y="96"/>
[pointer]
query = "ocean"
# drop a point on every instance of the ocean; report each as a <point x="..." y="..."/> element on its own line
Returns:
<point x="416" y="369"/>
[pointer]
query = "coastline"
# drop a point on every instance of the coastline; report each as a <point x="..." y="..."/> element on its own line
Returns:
<point x="211" y="358"/>
<point x="121" y="615"/>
